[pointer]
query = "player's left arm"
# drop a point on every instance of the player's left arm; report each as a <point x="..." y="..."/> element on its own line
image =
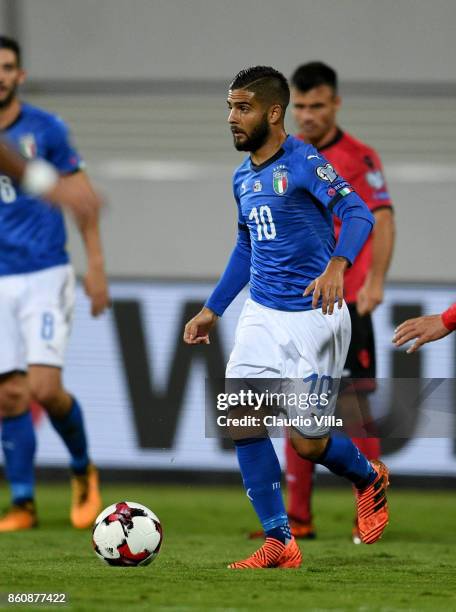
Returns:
<point x="95" y="281"/>
<point x="337" y="195"/>
<point x="425" y="329"/>
<point x="64" y="156"/>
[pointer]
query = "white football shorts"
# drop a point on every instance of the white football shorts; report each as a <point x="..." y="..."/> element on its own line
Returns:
<point x="306" y="350"/>
<point x="36" y="311"/>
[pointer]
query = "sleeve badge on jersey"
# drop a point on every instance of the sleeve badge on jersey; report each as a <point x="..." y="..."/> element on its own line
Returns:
<point x="27" y="146"/>
<point x="280" y="182"/>
<point x="375" y="179"/>
<point x="326" y="173"/>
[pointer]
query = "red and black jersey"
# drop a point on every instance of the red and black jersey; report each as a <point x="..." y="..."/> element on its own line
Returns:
<point x="360" y="165"/>
<point x="449" y="318"/>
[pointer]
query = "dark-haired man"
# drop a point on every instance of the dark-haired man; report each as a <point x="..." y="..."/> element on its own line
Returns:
<point x="315" y="104"/>
<point x="37" y="297"/>
<point x="290" y="328"/>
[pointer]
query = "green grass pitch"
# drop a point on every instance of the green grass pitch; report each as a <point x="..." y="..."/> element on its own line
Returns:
<point x="412" y="568"/>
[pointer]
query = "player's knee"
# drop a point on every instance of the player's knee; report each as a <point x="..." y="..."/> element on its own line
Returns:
<point x="46" y="394"/>
<point x="311" y="449"/>
<point x="14" y="395"/>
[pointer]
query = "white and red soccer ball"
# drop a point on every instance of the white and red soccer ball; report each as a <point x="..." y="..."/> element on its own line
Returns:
<point x="127" y="534"/>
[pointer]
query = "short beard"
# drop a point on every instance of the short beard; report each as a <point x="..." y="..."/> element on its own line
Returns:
<point x="257" y="138"/>
<point x="9" y="98"/>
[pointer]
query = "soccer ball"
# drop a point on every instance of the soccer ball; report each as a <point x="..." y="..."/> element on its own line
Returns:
<point x="127" y="534"/>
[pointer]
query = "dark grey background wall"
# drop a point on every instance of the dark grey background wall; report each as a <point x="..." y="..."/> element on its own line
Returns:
<point x="210" y="39"/>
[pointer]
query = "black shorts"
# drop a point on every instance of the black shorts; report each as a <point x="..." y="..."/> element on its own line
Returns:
<point x="360" y="367"/>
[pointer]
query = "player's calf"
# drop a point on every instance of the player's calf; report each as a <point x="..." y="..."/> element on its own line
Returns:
<point x="18" y="444"/>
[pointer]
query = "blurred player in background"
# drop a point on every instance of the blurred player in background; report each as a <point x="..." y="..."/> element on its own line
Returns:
<point x="36" y="302"/>
<point x="315" y="103"/>
<point x="425" y="329"/>
<point x="286" y="194"/>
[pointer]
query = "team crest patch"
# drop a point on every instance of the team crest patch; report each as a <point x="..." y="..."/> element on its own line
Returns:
<point x="280" y="181"/>
<point x="27" y="146"/>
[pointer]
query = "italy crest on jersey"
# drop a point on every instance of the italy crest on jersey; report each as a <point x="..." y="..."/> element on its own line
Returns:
<point x="280" y="181"/>
<point x="27" y="146"/>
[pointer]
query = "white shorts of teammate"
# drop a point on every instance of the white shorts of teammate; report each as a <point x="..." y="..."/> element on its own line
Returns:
<point x="306" y="350"/>
<point x="36" y="312"/>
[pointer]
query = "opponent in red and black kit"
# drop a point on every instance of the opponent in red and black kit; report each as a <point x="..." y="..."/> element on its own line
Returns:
<point x="315" y="103"/>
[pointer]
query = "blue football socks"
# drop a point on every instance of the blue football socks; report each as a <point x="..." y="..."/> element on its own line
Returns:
<point x="71" y="430"/>
<point x="19" y="444"/>
<point x="261" y="474"/>
<point x="343" y="458"/>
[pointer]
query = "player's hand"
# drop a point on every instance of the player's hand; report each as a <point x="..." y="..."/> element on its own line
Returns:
<point x="369" y="297"/>
<point x="197" y="329"/>
<point x="329" y="286"/>
<point x="78" y="196"/>
<point x="96" y="288"/>
<point x="424" y="329"/>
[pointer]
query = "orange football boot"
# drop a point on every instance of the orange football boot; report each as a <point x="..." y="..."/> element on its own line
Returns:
<point x="86" y="501"/>
<point x="372" y="506"/>
<point x="19" y="517"/>
<point x="272" y="554"/>
<point x="300" y="530"/>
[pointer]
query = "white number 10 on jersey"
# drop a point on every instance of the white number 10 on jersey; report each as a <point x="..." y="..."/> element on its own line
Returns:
<point x="264" y="222"/>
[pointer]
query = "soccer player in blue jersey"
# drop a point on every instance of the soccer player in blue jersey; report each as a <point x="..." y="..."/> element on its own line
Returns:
<point x="36" y="304"/>
<point x="295" y="325"/>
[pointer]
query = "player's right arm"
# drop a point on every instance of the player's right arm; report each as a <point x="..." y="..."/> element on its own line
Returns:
<point x="40" y="178"/>
<point x="233" y="280"/>
<point x="11" y="163"/>
<point x="425" y="329"/>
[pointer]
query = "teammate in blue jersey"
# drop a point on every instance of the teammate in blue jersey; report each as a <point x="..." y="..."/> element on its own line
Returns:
<point x="36" y="303"/>
<point x="295" y="325"/>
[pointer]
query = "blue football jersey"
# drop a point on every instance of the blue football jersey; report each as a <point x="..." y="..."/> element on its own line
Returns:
<point x="32" y="232"/>
<point x="286" y="204"/>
